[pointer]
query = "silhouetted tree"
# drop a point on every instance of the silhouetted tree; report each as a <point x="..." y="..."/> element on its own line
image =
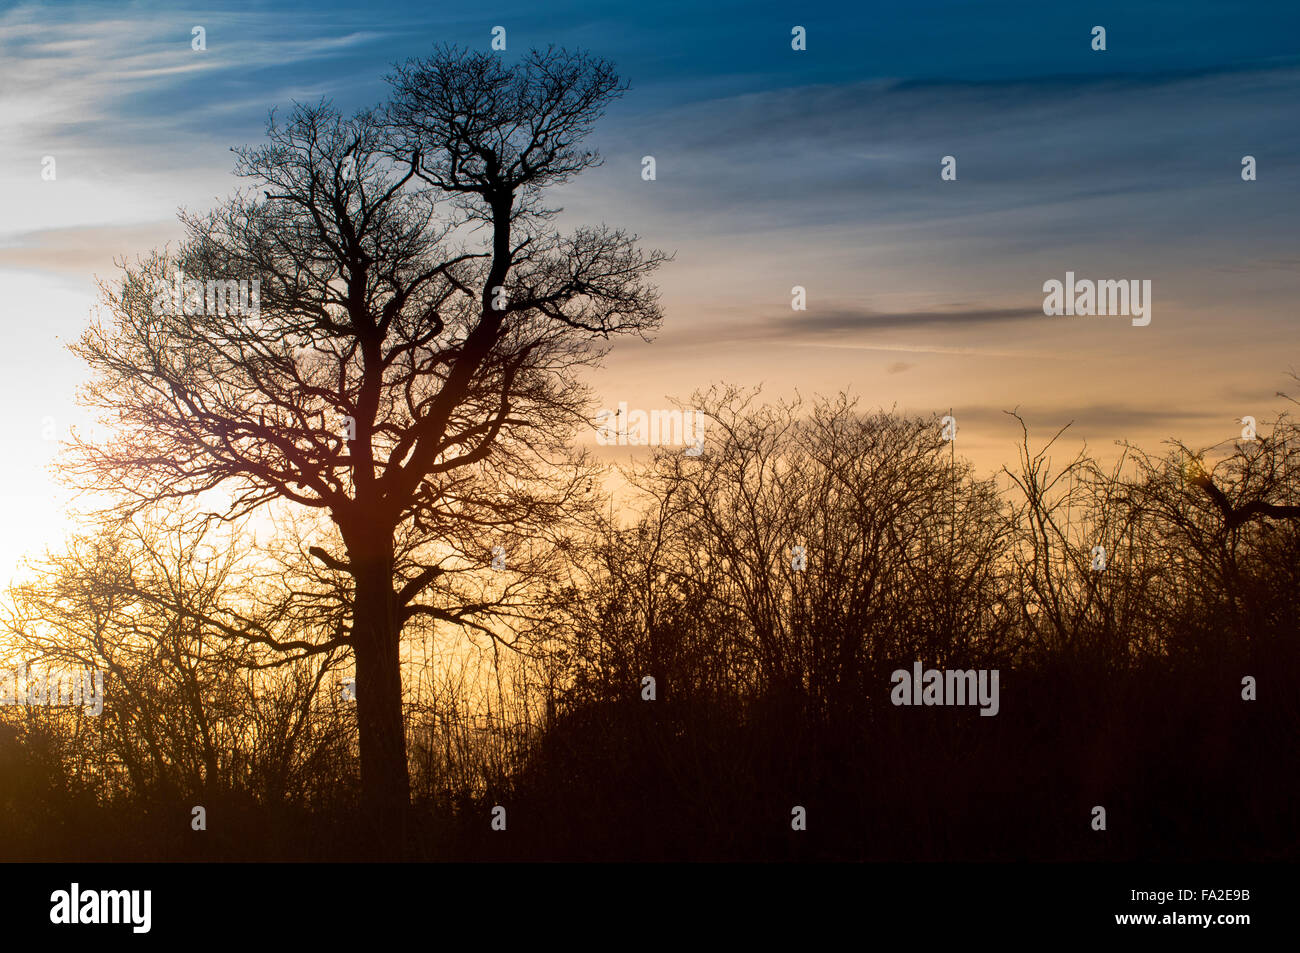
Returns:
<point x="411" y="370"/>
<point x="196" y="702"/>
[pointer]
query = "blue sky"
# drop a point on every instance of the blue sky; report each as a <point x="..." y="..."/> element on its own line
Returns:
<point x="775" y="168"/>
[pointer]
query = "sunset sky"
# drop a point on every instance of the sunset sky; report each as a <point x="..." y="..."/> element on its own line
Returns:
<point x="775" y="168"/>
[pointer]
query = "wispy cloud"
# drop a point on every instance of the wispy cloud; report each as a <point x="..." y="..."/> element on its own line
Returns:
<point x="836" y="327"/>
<point x="1092" y="421"/>
<point x="81" y="251"/>
<point x="1030" y="155"/>
<point x="846" y="319"/>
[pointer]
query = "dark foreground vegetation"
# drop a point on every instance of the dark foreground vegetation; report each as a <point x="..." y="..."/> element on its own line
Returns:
<point x="1120" y="687"/>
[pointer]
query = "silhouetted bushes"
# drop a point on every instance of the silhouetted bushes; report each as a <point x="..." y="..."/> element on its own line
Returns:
<point x="1120" y="687"/>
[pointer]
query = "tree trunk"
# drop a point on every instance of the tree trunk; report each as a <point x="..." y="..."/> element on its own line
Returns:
<point x="385" y="779"/>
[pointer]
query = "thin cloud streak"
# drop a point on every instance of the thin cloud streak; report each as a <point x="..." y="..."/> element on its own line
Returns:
<point x="926" y="349"/>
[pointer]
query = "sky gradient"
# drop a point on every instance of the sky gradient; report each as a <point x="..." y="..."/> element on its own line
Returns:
<point x="775" y="168"/>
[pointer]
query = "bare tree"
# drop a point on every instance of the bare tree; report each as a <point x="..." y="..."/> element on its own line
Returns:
<point x="411" y="371"/>
<point x="801" y="555"/>
<point x="162" y="606"/>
